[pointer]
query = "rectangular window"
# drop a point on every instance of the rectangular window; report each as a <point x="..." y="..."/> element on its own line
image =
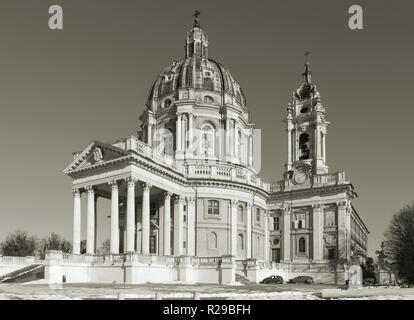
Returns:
<point x="331" y="253"/>
<point x="330" y="219"/>
<point x="213" y="207"/>
<point x="152" y="244"/>
<point x="276" y="223"/>
<point x="153" y="209"/>
<point x="258" y="216"/>
<point x="300" y="221"/>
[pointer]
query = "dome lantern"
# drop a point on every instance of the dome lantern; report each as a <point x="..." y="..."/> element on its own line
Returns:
<point x="196" y="42"/>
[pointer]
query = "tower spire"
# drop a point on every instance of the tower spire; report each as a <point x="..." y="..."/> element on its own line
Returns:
<point x="196" y="14"/>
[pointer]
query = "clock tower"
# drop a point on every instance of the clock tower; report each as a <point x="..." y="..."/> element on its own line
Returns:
<point x="306" y="132"/>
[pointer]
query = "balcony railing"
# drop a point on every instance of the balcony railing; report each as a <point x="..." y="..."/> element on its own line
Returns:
<point x="220" y="171"/>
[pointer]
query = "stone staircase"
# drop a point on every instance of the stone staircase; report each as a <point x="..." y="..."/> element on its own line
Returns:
<point x="243" y="279"/>
<point x="26" y="274"/>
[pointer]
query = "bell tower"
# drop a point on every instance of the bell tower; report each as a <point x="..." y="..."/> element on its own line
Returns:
<point x="306" y="132"/>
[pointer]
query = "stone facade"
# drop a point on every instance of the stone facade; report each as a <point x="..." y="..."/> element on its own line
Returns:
<point x="187" y="184"/>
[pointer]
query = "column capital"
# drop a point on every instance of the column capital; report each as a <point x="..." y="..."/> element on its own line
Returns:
<point x="249" y="205"/>
<point x="191" y="200"/>
<point x="114" y="184"/>
<point x="234" y="203"/>
<point x="287" y="208"/>
<point x="131" y="181"/>
<point x="342" y="204"/>
<point x="179" y="199"/>
<point x="318" y="207"/>
<point x="146" y="186"/>
<point x="166" y="195"/>
<point x="76" y="192"/>
<point x="90" y="189"/>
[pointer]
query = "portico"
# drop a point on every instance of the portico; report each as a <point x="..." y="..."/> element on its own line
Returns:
<point x="138" y="198"/>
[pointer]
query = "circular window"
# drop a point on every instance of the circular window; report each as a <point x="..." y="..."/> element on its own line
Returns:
<point x="304" y="110"/>
<point x="276" y="241"/>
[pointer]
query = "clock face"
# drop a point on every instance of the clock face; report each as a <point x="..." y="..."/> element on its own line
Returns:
<point x="300" y="177"/>
<point x="330" y="238"/>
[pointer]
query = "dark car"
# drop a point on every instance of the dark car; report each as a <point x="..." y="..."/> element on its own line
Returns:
<point x="302" y="279"/>
<point x="369" y="282"/>
<point x="273" y="279"/>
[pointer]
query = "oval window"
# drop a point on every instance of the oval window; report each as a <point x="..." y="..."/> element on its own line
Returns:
<point x="304" y="110"/>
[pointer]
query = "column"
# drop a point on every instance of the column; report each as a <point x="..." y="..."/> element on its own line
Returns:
<point x="114" y="217"/>
<point x="323" y="146"/>
<point x="90" y="222"/>
<point x="130" y="216"/>
<point x="191" y="226"/>
<point x="76" y="238"/>
<point x="250" y="150"/>
<point x="178" y="133"/>
<point x="289" y="151"/>
<point x="317" y="230"/>
<point x="228" y="148"/>
<point x="233" y="226"/>
<point x="167" y="223"/>
<point x="145" y="218"/>
<point x="161" y="226"/>
<point x="266" y="236"/>
<point x="318" y="143"/>
<point x="249" y="231"/>
<point x="149" y="127"/>
<point x="183" y="132"/>
<point x="286" y="233"/>
<point x="235" y="140"/>
<point x="95" y="231"/>
<point x="190" y="132"/>
<point x="178" y="226"/>
<point x="344" y="230"/>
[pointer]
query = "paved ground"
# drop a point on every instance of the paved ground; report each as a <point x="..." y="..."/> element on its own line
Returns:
<point x="169" y="291"/>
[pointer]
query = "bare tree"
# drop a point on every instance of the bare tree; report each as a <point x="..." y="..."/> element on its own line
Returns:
<point x="399" y="244"/>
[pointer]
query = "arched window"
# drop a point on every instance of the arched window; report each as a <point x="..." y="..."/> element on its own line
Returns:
<point x="302" y="245"/>
<point x="208" y="99"/>
<point x="240" y="242"/>
<point x="167" y="103"/>
<point x="304" y="146"/>
<point x="207" y="139"/>
<point x="212" y="240"/>
<point x="240" y="213"/>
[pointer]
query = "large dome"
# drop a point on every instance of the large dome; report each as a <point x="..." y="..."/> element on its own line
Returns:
<point x="196" y="71"/>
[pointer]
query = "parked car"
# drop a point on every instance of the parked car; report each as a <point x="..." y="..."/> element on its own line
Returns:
<point x="302" y="279"/>
<point x="273" y="279"/>
<point x="369" y="282"/>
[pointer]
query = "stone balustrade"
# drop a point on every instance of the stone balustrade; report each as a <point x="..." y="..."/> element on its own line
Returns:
<point x="219" y="171"/>
<point x="18" y="260"/>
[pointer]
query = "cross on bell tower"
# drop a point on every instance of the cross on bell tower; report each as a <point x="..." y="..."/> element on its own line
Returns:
<point x="306" y="129"/>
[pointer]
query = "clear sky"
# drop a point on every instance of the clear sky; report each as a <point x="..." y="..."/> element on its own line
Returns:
<point x="61" y="89"/>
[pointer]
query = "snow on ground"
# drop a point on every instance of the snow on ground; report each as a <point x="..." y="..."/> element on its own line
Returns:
<point x="41" y="291"/>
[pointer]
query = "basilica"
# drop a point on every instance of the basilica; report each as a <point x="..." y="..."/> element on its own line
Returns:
<point x="187" y="202"/>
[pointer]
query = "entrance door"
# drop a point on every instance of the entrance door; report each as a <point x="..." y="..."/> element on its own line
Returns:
<point x="276" y="255"/>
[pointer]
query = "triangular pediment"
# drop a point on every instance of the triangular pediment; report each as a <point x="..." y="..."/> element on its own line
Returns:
<point x="95" y="153"/>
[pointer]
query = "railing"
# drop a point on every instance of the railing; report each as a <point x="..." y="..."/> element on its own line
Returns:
<point x="11" y="259"/>
<point x="329" y="179"/>
<point x="207" y="260"/>
<point x="220" y="171"/>
<point x="69" y="257"/>
<point x="132" y="143"/>
<point x="225" y="172"/>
